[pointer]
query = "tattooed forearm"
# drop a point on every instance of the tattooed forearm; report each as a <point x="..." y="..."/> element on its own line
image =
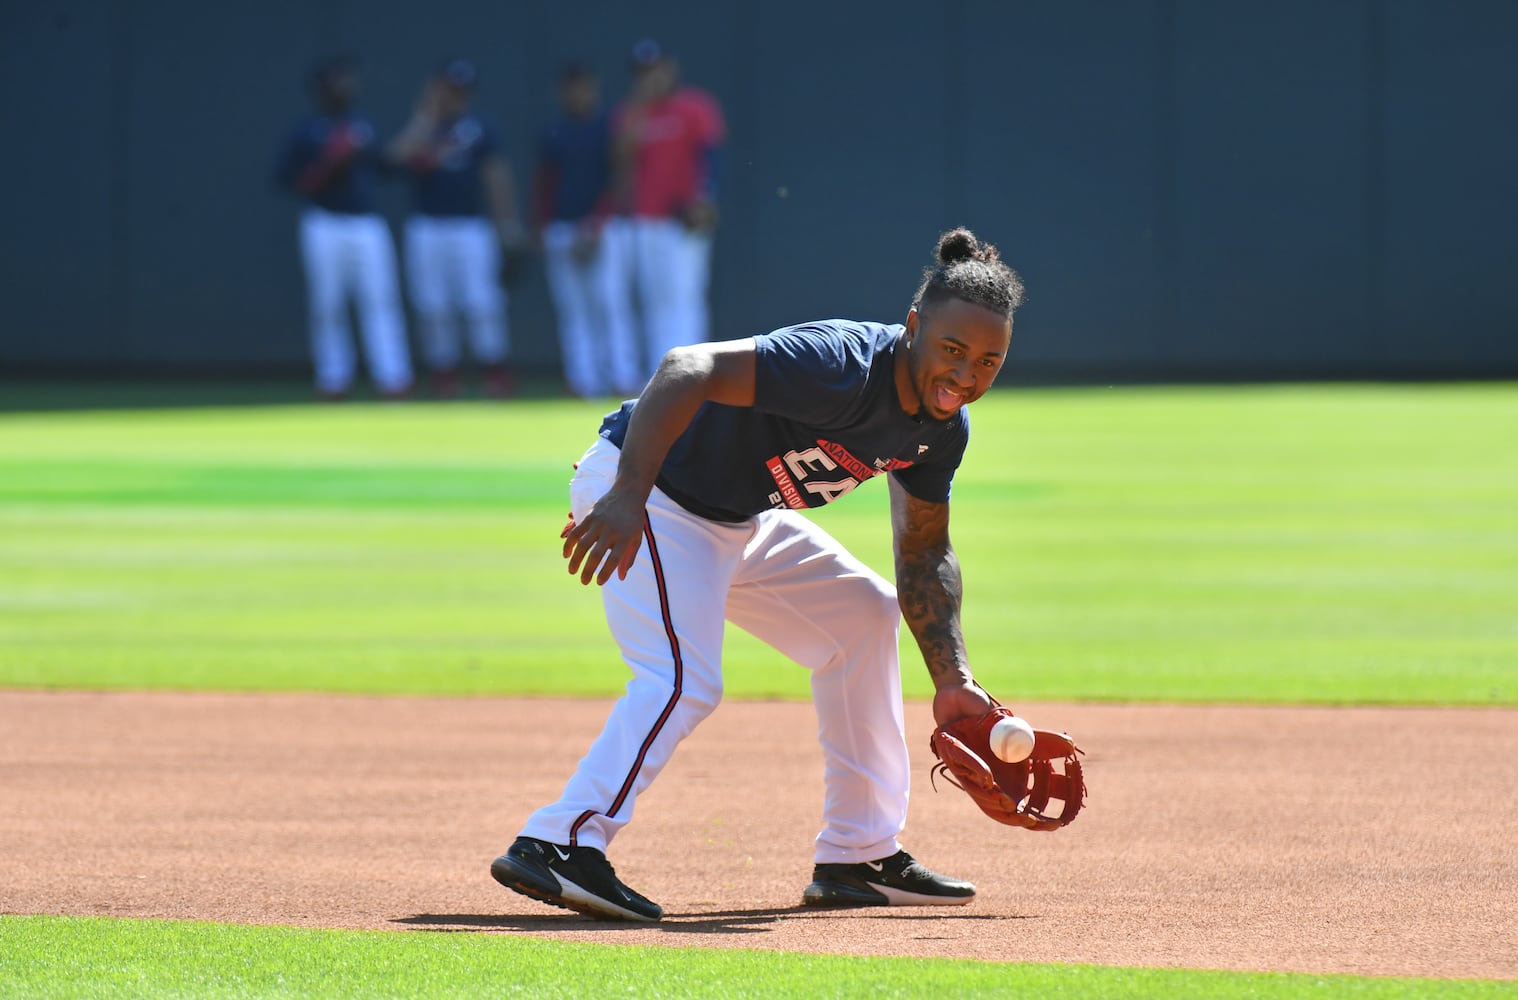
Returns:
<point x="929" y="586"/>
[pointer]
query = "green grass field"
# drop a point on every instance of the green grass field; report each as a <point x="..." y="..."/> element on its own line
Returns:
<point x="67" y="957"/>
<point x="1314" y="544"/>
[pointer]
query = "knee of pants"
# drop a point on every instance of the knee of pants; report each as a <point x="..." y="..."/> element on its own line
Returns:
<point x="430" y="313"/>
<point x="487" y="303"/>
<point x="428" y="298"/>
<point x="876" y="597"/>
<point x="695" y="702"/>
<point x="874" y="612"/>
<point x="700" y="703"/>
<point x="705" y="691"/>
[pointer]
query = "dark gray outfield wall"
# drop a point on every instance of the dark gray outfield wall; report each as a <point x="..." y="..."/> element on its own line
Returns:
<point x="1191" y="188"/>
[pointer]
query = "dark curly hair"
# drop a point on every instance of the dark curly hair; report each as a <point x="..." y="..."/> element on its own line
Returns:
<point x="970" y="270"/>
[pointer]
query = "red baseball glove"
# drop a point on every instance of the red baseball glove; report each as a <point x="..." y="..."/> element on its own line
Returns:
<point x="1015" y="794"/>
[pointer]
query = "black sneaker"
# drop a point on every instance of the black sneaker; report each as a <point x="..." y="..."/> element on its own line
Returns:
<point x="576" y="878"/>
<point x="895" y="881"/>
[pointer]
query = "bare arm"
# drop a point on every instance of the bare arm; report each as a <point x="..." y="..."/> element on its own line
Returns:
<point x="606" y="541"/>
<point x="501" y="199"/>
<point x="930" y="588"/>
<point x="623" y="163"/>
<point x="336" y="154"/>
<point x="415" y="139"/>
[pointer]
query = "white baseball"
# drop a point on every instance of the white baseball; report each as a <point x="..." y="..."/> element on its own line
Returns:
<point x="1012" y="739"/>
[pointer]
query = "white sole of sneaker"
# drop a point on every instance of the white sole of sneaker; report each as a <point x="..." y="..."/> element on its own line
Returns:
<point x="889" y="897"/>
<point x="585" y="901"/>
<point x="901" y="897"/>
<point x="556" y="890"/>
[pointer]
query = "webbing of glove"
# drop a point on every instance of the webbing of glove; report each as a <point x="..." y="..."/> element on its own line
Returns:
<point x="1016" y="794"/>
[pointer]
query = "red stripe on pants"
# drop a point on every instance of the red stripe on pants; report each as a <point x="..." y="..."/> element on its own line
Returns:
<point x="674" y="698"/>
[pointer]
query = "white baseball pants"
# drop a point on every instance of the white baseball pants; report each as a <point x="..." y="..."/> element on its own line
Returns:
<point x="786" y="581"/>
<point x="598" y="345"/>
<point x="453" y="266"/>
<point x="353" y="255"/>
<point x="668" y="266"/>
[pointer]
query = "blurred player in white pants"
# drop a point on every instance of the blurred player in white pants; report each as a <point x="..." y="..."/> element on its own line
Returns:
<point x="669" y="265"/>
<point x="452" y="266"/>
<point x="462" y="232"/>
<point x="667" y="142"/>
<point x="346" y="254"/>
<point x="330" y="161"/>
<point x="597" y="344"/>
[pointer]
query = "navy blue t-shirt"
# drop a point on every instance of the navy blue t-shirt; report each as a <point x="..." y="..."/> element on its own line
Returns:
<point x="826" y="417"/>
<point x="452" y="188"/>
<point x="349" y="188"/>
<point x="576" y="153"/>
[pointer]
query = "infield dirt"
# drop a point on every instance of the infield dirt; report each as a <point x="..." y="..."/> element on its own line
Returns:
<point x="1377" y="841"/>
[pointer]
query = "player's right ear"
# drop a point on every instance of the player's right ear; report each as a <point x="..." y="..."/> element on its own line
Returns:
<point x="911" y="325"/>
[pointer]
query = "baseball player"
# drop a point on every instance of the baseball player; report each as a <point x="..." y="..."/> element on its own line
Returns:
<point x="667" y="148"/>
<point x="686" y="511"/>
<point x="463" y="237"/>
<point x="598" y="346"/>
<point x="330" y="161"/>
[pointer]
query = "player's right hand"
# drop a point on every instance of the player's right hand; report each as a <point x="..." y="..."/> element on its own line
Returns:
<point x="607" y="539"/>
<point x="953" y="702"/>
<point x="428" y="102"/>
<point x="342" y="144"/>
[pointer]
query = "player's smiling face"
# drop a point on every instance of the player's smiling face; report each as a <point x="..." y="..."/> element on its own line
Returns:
<point x="954" y="351"/>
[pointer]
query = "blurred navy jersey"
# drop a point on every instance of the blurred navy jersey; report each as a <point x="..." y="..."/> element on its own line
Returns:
<point x="826" y="417"/>
<point x="331" y="162"/>
<point x="574" y="166"/>
<point x="445" y="182"/>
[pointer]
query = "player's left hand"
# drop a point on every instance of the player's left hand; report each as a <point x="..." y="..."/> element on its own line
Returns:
<point x="515" y="246"/>
<point x="429" y="103"/>
<point x="607" y="540"/>
<point x="700" y="216"/>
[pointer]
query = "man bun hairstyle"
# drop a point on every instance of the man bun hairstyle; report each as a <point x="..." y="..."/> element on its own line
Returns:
<point x="970" y="270"/>
<point x="957" y="245"/>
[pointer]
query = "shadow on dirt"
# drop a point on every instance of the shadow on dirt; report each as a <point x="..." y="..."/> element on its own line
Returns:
<point x="756" y="921"/>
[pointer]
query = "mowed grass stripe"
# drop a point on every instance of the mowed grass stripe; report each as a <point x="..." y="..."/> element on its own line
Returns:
<point x="54" y="958"/>
<point x="1310" y="544"/>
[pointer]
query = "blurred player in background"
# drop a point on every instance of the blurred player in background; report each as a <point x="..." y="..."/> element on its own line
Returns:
<point x="330" y="161"/>
<point x="667" y="141"/>
<point x="463" y="239"/>
<point x="598" y="345"/>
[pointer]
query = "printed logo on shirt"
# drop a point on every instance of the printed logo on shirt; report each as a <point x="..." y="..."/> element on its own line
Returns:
<point x="807" y="473"/>
<point x="454" y="153"/>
